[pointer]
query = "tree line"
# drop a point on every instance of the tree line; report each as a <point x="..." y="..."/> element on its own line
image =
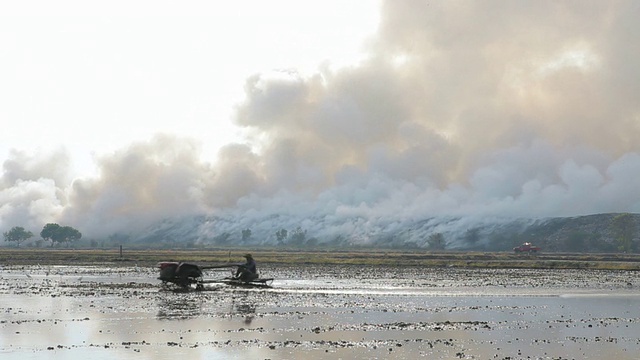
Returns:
<point x="50" y="232"/>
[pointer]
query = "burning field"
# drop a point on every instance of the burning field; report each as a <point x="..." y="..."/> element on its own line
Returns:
<point x="320" y="312"/>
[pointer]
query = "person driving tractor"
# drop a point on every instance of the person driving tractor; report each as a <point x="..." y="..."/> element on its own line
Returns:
<point x="247" y="271"/>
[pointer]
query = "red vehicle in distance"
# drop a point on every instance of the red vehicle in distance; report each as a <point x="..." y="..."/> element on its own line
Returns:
<point x="526" y="248"/>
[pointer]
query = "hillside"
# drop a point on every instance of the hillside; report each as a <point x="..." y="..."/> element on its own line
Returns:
<point x="591" y="233"/>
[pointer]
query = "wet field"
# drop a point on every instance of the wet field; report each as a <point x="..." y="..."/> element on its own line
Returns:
<point x="321" y="312"/>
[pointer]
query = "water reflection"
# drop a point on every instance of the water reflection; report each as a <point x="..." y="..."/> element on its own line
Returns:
<point x="245" y="307"/>
<point x="178" y="308"/>
<point x="189" y="306"/>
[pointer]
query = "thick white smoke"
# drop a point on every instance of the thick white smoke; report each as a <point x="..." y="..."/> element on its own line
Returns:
<point x="464" y="113"/>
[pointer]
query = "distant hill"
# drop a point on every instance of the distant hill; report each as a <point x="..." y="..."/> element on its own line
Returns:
<point x="591" y="233"/>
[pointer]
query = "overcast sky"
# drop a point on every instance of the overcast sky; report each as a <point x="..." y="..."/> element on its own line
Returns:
<point x="119" y="115"/>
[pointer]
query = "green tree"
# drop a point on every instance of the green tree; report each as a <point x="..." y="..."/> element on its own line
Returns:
<point x="298" y="236"/>
<point x="18" y="235"/>
<point x="281" y="235"/>
<point x="59" y="234"/>
<point x="69" y="234"/>
<point x="48" y="232"/>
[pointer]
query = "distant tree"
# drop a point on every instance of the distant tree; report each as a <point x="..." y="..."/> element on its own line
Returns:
<point x="59" y="234"/>
<point x="69" y="234"/>
<point x="246" y="235"/>
<point x="436" y="241"/>
<point x="49" y="231"/>
<point x="623" y="228"/>
<point x="18" y="235"/>
<point x="298" y="236"/>
<point x="281" y="235"/>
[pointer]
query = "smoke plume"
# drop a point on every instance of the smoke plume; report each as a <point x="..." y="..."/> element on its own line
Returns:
<point x="462" y="114"/>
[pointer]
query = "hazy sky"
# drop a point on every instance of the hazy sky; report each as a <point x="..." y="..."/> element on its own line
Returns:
<point x="94" y="78"/>
<point x="344" y="116"/>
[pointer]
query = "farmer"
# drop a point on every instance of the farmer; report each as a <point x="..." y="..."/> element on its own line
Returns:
<point x="248" y="270"/>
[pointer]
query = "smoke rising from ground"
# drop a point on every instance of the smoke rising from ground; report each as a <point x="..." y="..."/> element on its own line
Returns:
<point x="468" y="111"/>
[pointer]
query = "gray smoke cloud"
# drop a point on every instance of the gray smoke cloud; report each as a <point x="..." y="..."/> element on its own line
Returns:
<point x="471" y="111"/>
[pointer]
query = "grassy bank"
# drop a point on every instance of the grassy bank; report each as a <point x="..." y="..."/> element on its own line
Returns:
<point x="12" y="256"/>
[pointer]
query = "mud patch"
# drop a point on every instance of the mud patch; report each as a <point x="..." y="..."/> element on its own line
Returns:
<point x="321" y="312"/>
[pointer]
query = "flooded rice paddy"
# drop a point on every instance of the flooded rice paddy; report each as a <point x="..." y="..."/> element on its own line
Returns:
<point x="321" y="312"/>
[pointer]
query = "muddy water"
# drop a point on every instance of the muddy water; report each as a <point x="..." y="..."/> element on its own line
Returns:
<point x="321" y="313"/>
